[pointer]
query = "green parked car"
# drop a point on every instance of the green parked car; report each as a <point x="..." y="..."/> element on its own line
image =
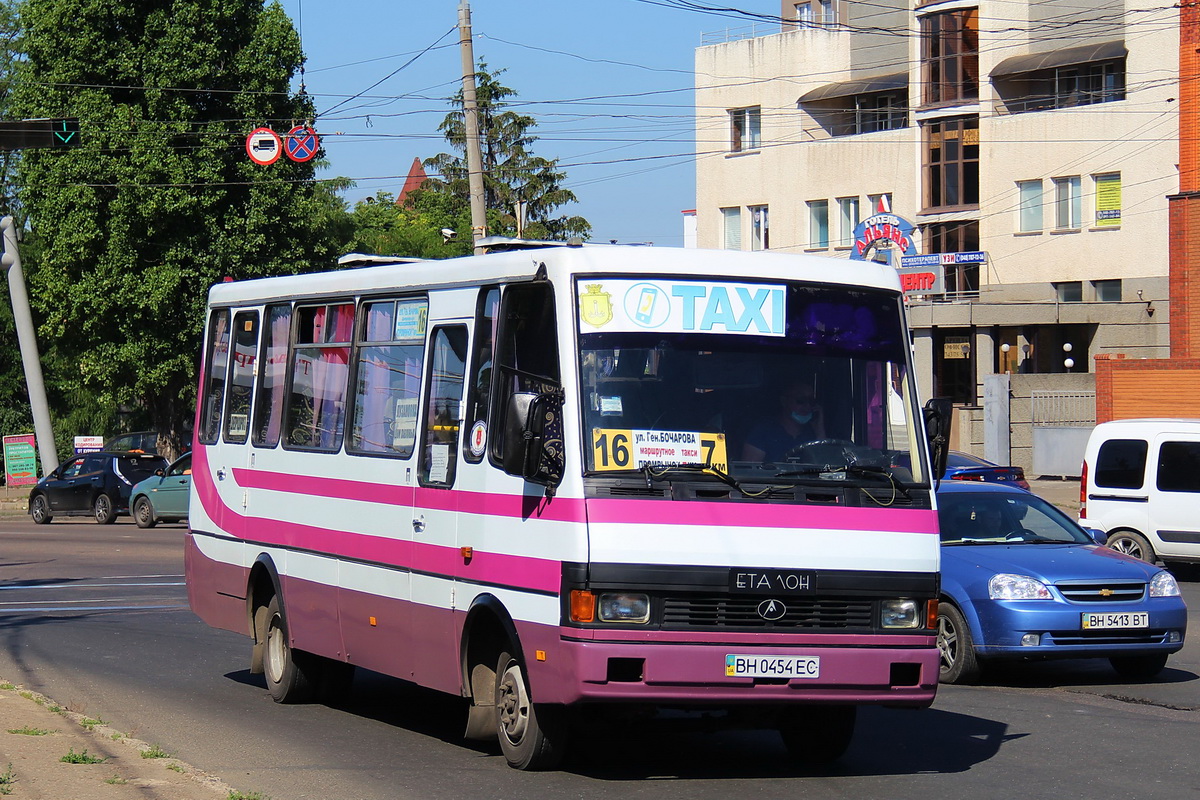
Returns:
<point x="163" y="497"/>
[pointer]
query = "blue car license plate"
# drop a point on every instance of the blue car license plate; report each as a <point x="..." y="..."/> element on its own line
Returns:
<point x="1115" y="619"/>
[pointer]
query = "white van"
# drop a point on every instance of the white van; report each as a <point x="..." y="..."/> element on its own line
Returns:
<point x="1141" y="486"/>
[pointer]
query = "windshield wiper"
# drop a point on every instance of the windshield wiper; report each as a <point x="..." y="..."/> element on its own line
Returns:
<point x="663" y="472"/>
<point x="857" y="470"/>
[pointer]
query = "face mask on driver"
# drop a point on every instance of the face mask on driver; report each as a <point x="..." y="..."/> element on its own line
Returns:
<point x="802" y="418"/>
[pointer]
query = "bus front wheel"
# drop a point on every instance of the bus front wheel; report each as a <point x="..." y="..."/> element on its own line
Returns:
<point x="532" y="737"/>
<point x="817" y="735"/>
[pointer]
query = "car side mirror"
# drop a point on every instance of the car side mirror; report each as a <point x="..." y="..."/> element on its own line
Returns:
<point x="533" y="444"/>
<point x="160" y="472"/>
<point x="938" y="413"/>
<point x="1098" y="536"/>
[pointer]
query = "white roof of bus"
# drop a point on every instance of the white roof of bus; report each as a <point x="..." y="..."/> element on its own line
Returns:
<point x="561" y="262"/>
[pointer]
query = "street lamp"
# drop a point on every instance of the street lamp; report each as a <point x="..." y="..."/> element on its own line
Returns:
<point x="1068" y="362"/>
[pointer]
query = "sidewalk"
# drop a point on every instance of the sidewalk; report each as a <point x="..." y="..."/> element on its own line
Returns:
<point x="36" y="734"/>
<point x="1063" y="493"/>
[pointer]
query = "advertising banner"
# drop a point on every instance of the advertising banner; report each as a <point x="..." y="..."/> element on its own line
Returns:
<point x="20" y="460"/>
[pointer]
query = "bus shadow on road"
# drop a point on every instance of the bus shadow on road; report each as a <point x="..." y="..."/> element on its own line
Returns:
<point x="887" y="742"/>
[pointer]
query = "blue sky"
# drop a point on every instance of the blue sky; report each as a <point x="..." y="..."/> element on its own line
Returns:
<point x="620" y="153"/>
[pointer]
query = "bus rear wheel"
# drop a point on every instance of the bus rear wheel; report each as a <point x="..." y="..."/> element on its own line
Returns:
<point x="532" y="737"/>
<point x="288" y="680"/>
<point x="816" y="736"/>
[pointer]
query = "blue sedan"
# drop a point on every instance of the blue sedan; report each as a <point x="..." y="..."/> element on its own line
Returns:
<point x="1022" y="581"/>
<point x="163" y="497"/>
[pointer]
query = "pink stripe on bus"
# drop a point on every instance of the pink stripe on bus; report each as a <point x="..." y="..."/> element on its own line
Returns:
<point x="743" y="515"/>
<point x="522" y="572"/>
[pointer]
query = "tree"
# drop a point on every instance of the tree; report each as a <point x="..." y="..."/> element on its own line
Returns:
<point x="160" y="201"/>
<point x="511" y="172"/>
<point x="413" y="229"/>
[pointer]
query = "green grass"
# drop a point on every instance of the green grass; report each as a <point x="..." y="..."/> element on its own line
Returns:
<point x="90" y="723"/>
<point x="28" y="731"/>
<point x="175" y="768"/>
<point x="116" y="780"/>
<point x="7" y="779"/>
<point x="81" y="758"/>
<point x="247" y="796"/>
<point x="154" y="751"/>
<point x="8" y="686"/>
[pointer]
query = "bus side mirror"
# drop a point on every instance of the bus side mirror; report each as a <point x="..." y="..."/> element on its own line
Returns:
<point x="939" y="412"/>
<point x="533" y="443"/>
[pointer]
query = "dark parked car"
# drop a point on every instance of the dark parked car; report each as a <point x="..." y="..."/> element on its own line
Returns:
<point x="94" y="484"/>
<point x="966" y="467"/>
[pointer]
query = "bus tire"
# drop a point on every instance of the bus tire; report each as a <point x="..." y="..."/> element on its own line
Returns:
<point x="532" y="737"/>
<point x="286" y="670"/>
<point x="816" y="736"/>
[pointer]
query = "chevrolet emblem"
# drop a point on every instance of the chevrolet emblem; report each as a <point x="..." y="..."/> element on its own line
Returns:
<point x="1106" y="592"/>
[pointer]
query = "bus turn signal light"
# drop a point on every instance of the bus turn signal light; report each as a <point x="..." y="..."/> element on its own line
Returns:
<point x="583" y="606"/>
<point x="931" y="614"/>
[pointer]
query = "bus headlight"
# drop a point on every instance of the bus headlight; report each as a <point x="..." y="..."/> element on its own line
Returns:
<point x="624" y="607"/>
<point x="900" y="614"/>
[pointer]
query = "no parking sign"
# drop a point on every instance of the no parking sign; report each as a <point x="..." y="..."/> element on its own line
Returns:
<point x="301" y="143"/>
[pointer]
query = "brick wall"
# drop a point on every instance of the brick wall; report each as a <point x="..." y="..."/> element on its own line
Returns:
<point x="1127" y="388"/>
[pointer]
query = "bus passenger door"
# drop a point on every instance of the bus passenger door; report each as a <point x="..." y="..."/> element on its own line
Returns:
<point x="436" y="555"/>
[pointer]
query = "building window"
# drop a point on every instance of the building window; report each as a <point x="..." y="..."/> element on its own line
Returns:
<point x="760" y="228"/>
<point x="1068" y="205"/>
<point x="847" y="220"/>
<point x="879" y="204"/>
<point x="950" y="55"/>
<point x="816" y="13"/>
<point x="1029" y="214"/>
<point x="745" y="129"/>
<point x="1108" y="291"/>
<point x="818" y="224"/>
<point x="962" y="280"/>
<point x="952" y="163"/>
<point x="732" y="226"/>
<point x="1069" y="291"/>
<point x="1088" y="84"/>
<point x="880" y="112"/>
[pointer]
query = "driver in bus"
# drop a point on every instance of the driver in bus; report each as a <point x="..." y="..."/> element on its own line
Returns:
<point x="799" y="421"/>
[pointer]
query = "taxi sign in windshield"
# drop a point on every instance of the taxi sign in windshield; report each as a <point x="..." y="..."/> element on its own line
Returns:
<point x="664" y="306"/>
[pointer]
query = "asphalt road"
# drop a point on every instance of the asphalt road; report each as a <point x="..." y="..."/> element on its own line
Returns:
<point x="96" y="617"/>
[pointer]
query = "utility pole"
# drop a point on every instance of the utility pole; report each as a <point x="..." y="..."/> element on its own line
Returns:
<point x="471" y="118"/>
<point x="27" y="338"/>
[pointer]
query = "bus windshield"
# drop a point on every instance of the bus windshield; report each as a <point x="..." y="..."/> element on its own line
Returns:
<point x="773" y="383"/>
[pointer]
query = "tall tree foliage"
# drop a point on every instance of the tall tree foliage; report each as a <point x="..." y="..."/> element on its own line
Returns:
<point x="161" y="200"/>
<point x="512" y="173"/>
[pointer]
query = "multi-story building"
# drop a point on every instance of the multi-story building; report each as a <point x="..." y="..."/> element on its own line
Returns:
<point x="1042" y="135"/>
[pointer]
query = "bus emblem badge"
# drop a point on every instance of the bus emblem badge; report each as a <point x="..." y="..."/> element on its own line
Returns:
<point x="595" y="306"/>
<point x="771" y="610"/>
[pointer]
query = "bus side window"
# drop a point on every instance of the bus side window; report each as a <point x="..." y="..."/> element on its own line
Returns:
<point x="479" y="385"/>
<point x="216" y="360"/>
<point x="268" y="416"/>
<point x="241" y="377"/>
<point x="316" y="410"/>
<point x="387" y="369"/>
<point x="526" y="352"/>
<point x="447" y="366"/>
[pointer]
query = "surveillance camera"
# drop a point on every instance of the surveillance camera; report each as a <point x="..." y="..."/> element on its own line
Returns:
<point x="449" y="233"/>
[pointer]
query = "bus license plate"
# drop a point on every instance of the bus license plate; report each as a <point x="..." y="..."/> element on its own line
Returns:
<point x="1111" y="619"/>
<point x="742" y="666"/>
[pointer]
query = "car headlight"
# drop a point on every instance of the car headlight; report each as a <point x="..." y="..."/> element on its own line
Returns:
<point x="624" y="607"/>
<point x="900" y="614"/>
<point x="1006" y="586"/>
<point x="1164" y="585"/>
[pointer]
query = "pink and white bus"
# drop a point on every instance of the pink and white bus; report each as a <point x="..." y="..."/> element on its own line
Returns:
<point x="564" y="480"/>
